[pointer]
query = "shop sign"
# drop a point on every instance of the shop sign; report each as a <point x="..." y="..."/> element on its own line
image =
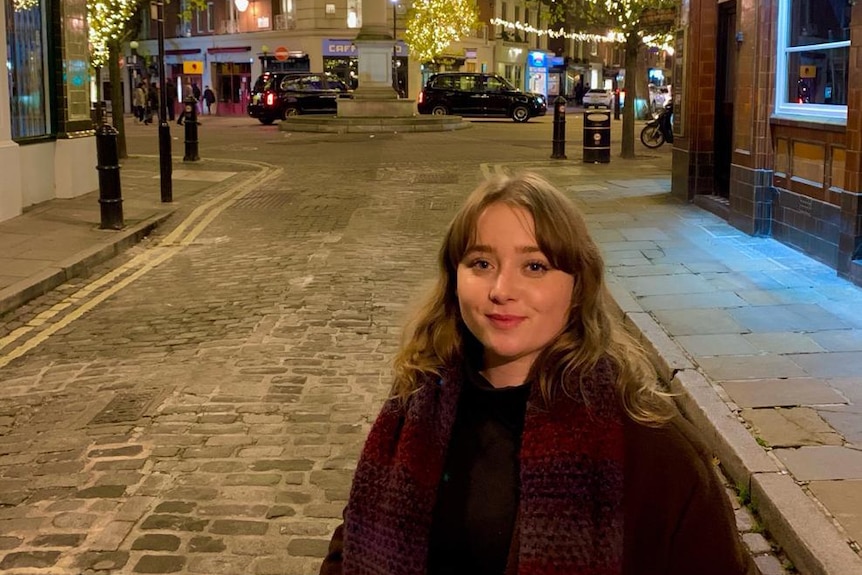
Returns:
<point x="537" y="59"/>
<point x="193" y="67"/>
<point x="346" y="48"/>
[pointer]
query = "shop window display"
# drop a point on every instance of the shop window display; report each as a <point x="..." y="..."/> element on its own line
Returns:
<point x="813" y="57"/>
<point x="25" y="37"/>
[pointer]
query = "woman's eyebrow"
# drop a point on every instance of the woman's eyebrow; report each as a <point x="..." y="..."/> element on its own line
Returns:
<point x="482" y="249"/>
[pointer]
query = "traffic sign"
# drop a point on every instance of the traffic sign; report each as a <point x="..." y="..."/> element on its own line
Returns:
<point x="281" y="53"/>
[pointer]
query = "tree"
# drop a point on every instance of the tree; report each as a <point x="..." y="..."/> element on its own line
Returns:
<point x="111" y="23"/>
<point x="108" y="22"/>
<point x="432" y="25"/>
<point x="635" y="20"/>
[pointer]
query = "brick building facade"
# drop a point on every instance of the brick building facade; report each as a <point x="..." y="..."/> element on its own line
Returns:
<point x="769" y="121"/>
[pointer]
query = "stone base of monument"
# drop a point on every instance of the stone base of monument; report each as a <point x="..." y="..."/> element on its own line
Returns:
<point x="373" y="115"/>
<point x="376" y="108"/>
<point x="371" y="125"/>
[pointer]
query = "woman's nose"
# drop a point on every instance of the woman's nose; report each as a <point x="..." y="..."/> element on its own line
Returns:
<point x="504" y="286"/>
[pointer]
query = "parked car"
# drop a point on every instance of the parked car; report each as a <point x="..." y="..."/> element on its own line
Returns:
<point x="475" y="94"/>
<point x="598" y="98"/>
<point x="277" y="95"/>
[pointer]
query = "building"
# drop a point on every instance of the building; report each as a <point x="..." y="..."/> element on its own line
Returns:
<point x="47" y="148"/>
<point x="231" y="42"/>
<point x="767" y="121"/>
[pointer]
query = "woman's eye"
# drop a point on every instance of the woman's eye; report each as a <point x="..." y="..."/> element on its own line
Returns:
<point x="537" y="267"/>
<point x="480" y="264"/>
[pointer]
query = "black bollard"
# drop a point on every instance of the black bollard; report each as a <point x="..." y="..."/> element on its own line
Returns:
<point x="191" y="122"/>
<point x="616" y="104"/>
<point x="559" y="152"/>
<point x="110" y="191"/>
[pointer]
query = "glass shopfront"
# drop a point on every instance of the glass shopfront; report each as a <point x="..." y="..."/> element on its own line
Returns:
<point x="26" y="45"/>
<point x="340" y="57"/>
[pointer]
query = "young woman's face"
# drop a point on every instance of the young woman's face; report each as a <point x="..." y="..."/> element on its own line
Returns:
<point x="511" y="299"/>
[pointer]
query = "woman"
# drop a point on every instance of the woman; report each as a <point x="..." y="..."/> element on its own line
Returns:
<point x="139" y="102"/>
<point x="525" y="432"/>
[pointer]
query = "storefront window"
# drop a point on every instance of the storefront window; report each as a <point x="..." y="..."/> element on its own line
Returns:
<point x="26" y="68"/>
<point x="813" y="58"/>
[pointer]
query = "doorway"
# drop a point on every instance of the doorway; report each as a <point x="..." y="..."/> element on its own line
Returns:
<point x="232" y="88"/>
<point x="725" y="86"/>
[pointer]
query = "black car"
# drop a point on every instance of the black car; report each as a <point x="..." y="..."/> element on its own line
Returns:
<point x="474" y="94"/>
<point x="277" y="95"/>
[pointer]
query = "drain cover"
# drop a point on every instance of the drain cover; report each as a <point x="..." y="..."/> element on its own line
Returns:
<point x="124" y="408"/>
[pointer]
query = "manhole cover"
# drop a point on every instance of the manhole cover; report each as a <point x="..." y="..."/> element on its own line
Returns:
<point x="124" y="408"/>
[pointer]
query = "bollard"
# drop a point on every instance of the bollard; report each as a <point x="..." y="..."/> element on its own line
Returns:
<point x="108" y="165"/>
<point x="616" y="105"/>
<point x="191" y="123"/>
<point x="559" y="152"/>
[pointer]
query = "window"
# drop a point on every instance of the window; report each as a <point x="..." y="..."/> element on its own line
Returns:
<point x="354" y="13"/>
<point x="28" y="96"/>
<point x="497" y="84"/>
<point x="813" y="58"/>
<point x="205" y="19"/>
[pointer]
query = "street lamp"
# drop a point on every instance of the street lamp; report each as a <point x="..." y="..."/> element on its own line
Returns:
<point x="395" y="47"/>
<point x="165" y="166"/>
<point x="133" y="71"/>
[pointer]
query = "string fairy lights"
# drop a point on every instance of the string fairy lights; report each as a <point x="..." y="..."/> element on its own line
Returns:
<point x="660" y="41"/>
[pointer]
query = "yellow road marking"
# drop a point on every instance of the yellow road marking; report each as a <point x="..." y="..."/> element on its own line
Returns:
<point x="144" y="262"/>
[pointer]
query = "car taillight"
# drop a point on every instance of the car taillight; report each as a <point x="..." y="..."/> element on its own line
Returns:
<point x="270" y="98"/>
<point x="421" y="97"/>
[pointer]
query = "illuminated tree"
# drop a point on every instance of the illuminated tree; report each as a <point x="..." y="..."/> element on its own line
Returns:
<point x="109" y="24"/>
<point x="636" y="21"/>
<point x="432" y="25"/>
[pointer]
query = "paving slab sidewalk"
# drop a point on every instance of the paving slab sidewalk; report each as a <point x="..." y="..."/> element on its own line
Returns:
<point x="763" y="346"/>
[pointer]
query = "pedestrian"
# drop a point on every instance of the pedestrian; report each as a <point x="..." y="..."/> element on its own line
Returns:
<point x="152" y="103"/>
<point x="139" y="102"/>
<point x="171" y="99"/>
<point x="525" y="432"/>
<point x="188" y="93"/>
<point x="209" y="98"/>
<point x="196" y="92"/>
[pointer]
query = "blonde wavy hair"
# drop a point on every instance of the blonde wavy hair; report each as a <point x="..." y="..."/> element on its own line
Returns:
<point x="437" y="341"/>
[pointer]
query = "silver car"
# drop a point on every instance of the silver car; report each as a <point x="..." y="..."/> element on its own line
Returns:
<point x="598" y="98"/>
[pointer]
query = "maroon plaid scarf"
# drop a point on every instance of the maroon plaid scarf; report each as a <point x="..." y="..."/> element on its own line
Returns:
<point x="570" y="514"/>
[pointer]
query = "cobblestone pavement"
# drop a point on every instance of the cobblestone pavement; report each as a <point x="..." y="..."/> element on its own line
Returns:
<point x="206" y="417"/>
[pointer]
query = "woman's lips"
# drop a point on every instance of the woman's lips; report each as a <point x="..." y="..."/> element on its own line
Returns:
<point x="504" y="321"/>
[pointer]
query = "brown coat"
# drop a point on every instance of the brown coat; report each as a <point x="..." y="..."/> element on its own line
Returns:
<point x="678" y="520"/>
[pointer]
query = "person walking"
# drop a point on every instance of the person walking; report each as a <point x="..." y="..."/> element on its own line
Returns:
<point x="525" y="431"/>
<point x="152" y="103"/>
<point x="209" y="99"/>
<point x="139" y="102"/>
<point x="171" y="99"/>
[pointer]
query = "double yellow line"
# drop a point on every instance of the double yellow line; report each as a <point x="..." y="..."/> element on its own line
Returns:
<point x="183" y="235"/>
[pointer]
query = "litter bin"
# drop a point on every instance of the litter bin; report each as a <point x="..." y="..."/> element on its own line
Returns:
<point x="597" y="137"/>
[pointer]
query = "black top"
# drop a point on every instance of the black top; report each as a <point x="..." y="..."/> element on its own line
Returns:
<point x="477" y="500"/>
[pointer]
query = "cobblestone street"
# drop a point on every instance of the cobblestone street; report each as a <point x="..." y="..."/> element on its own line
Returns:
<point x="197" y="404"/>
<point x="206" y="417"/>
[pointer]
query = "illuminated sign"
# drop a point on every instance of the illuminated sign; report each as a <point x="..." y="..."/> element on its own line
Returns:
<point x="537" y="59"/>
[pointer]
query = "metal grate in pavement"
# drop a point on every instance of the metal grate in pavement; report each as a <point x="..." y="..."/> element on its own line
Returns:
<point x="124" y="408"/>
